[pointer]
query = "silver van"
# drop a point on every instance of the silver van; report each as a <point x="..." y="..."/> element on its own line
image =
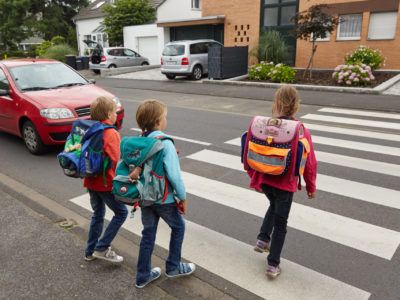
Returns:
<point x="186" y="58"/>
<point x="113" y="57"/>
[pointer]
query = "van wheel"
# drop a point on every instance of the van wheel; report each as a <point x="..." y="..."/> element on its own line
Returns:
<point x="32" y="138"/>
<point x="112" y="66"/>
<point x="145" y="63"/>
<point x="197" y="73"/>
<point x="170" y="76"/>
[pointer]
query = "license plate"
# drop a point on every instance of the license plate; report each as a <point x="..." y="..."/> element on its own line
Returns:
<point x="171" y="62"/>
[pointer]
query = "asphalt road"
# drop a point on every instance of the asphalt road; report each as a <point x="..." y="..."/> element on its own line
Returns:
<point x="216" y="115"/>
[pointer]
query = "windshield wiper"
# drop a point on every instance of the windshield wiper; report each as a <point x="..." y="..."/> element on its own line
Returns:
<point x="35" y="88"/>
<point x="67" y="85"/>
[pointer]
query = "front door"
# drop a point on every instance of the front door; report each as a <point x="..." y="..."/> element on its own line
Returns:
<point x="8" y="107"/>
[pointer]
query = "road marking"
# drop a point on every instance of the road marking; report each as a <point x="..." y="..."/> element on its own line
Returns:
<point x="359" y="235"/>
<point x="358" y="163"/>
<point x="366" y="147"/>
<point x="359" y="122"/>
<point x="360" y="113"/>
<point x="355" y="132"/>
<point x="236" y="262"/>
<point x="330" y="184"/>
<point x="181" y="138"/>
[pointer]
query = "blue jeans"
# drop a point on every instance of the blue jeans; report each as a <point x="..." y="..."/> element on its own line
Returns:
<point x="150" y="217"/>
<point x="275" y="219"/>
<point x="98" y="201"/>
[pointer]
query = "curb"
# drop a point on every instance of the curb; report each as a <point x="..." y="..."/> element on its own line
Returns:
<point x="123" y="70"/>
<point x="375" y="91"/>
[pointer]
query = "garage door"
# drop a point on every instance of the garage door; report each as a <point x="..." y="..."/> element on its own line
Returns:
<point x="148" y="47"/>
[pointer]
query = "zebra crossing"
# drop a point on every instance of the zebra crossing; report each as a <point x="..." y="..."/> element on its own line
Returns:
<point x="234" y="259"/>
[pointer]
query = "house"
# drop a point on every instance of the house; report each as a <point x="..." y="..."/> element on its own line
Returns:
<point x="372" y="23"/>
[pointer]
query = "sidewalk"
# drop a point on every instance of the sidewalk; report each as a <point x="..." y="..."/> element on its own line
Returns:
<point x="41" y="260"/>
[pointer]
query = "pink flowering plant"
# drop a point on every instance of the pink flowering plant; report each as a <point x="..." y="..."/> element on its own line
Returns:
<point x="353" y="75"/>
<point x="260" y="71"/>
<point x="270" y="71"/>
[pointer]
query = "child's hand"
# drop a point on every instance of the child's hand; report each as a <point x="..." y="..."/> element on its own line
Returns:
<point x="182" y="206"/>
<point x="135" y="174"/>
<point x="311" y="195"/>
<point x="259" y="191"/>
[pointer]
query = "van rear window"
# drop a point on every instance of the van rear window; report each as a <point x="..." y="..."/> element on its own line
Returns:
<point x="174" y="50"/>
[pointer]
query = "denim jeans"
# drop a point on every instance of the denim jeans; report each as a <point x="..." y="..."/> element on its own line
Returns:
<point x="150" y="217"/>
<point x="275" y="221"/>
<point x="98" y="201"/>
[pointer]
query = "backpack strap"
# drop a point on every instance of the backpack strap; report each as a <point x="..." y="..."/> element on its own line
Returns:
<point x="106" y="158"/>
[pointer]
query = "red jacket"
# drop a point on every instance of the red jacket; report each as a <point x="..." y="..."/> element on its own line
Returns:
<point x="111" y="141"/>
<point x="310" y="174"/>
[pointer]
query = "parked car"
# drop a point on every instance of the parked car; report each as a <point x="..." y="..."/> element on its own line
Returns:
<point x="186" y="58"/>
<point x="41" y="98"/>
<point x="113" y="57"/>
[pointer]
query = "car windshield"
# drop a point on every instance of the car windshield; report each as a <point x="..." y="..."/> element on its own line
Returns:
<point x="174" y="50"/>
<point x="41" y="76"/>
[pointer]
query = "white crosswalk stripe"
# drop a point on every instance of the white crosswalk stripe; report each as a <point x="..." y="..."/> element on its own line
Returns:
<point x="242" y="266"/>
<point x="203" y="247"/>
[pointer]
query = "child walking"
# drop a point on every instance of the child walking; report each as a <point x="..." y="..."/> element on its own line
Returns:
<point x="151" y="117"/>
<point x="104" y="109"/>
<point x="279" y="190"/>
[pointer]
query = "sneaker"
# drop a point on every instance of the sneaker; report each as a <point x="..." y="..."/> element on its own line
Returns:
<point x="184" y="269"/>
<point x="108" y="255"/>
<point x="273" y="271"/>
<point x="261" y="246"/>
<point x="154" y="274"/>
<point x="89" y="257"/>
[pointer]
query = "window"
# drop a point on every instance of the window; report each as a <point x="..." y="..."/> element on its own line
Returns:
<point x="3" y="81"/>
<point x="349" y="27"/>
<point x="382" y="25"/>
<point x="325" y="39"/>
<point x="196" y="4"/>
<point x="271" y="16"/>
<point x="128" y="52"/>
<point x="287" y="12"/>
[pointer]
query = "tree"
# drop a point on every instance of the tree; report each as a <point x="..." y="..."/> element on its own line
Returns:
<point x="13" y="22"/>
<point x="56" y="16"/>
<point x="313" y="24"/>
<point x="125" y="13"/>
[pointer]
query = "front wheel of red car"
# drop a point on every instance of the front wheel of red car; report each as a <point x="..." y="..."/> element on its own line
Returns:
<point x="32" y="139"/>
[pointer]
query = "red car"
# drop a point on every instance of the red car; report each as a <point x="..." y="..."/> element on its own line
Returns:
<point x="40" y="99"/>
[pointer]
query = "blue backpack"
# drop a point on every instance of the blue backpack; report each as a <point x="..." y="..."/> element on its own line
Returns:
<point x="152" y="186"/>
<point x="83" y="151"/>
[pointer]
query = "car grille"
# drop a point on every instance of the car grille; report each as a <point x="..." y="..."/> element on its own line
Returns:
<point x="83" y="111"/>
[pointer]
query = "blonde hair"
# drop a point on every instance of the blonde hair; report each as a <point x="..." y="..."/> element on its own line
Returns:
<point x="148" y="113"/>
<point x="286" y="101"/>
<point x="101" y="107"/>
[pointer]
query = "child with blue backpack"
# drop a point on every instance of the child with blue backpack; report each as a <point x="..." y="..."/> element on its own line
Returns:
<point x="280" y="190"/>
<point x="103" y="109"/>
<point x="151" y="118"/>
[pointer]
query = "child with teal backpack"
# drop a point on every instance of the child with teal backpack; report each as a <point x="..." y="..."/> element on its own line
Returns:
<point x="151" y="118"/>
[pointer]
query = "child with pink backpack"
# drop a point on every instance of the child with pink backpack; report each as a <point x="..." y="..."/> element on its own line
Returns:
<point x="276" y="152"/>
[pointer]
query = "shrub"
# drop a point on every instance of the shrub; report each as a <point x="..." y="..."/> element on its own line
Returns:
<point x="265" y="71"/>
<point x="365" y="55"/>
<point x="57" y="40"/>
<point x="58" y="52"/>
<point x="282" y="73"/>
<point x="261" y="71"/>
<point x="353" y="75"/>
<point x="271" y="47"/>
<point x="41" y="50"/>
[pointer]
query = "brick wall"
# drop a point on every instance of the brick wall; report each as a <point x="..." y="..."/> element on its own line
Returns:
<point x="330" y="54"/>
<point x="242" y="21"/>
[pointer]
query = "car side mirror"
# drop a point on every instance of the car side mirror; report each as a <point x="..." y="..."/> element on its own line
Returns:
<point x="92" y="81"/>
<point x="5" y="92"/>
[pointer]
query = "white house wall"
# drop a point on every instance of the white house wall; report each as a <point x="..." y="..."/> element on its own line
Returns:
<point x="85" y="27"/>
<point x="177" y="10"/>
<point x="132" y="34"/>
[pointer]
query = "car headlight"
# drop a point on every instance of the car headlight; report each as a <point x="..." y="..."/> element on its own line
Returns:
<point x="117" y="102"/>
<point x="56" y="113"/>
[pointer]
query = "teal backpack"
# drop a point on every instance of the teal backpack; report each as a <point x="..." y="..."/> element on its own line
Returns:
<point x="152" y="186"/>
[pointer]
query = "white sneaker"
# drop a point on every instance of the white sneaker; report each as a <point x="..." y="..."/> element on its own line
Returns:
<point x="108" y="255"/>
